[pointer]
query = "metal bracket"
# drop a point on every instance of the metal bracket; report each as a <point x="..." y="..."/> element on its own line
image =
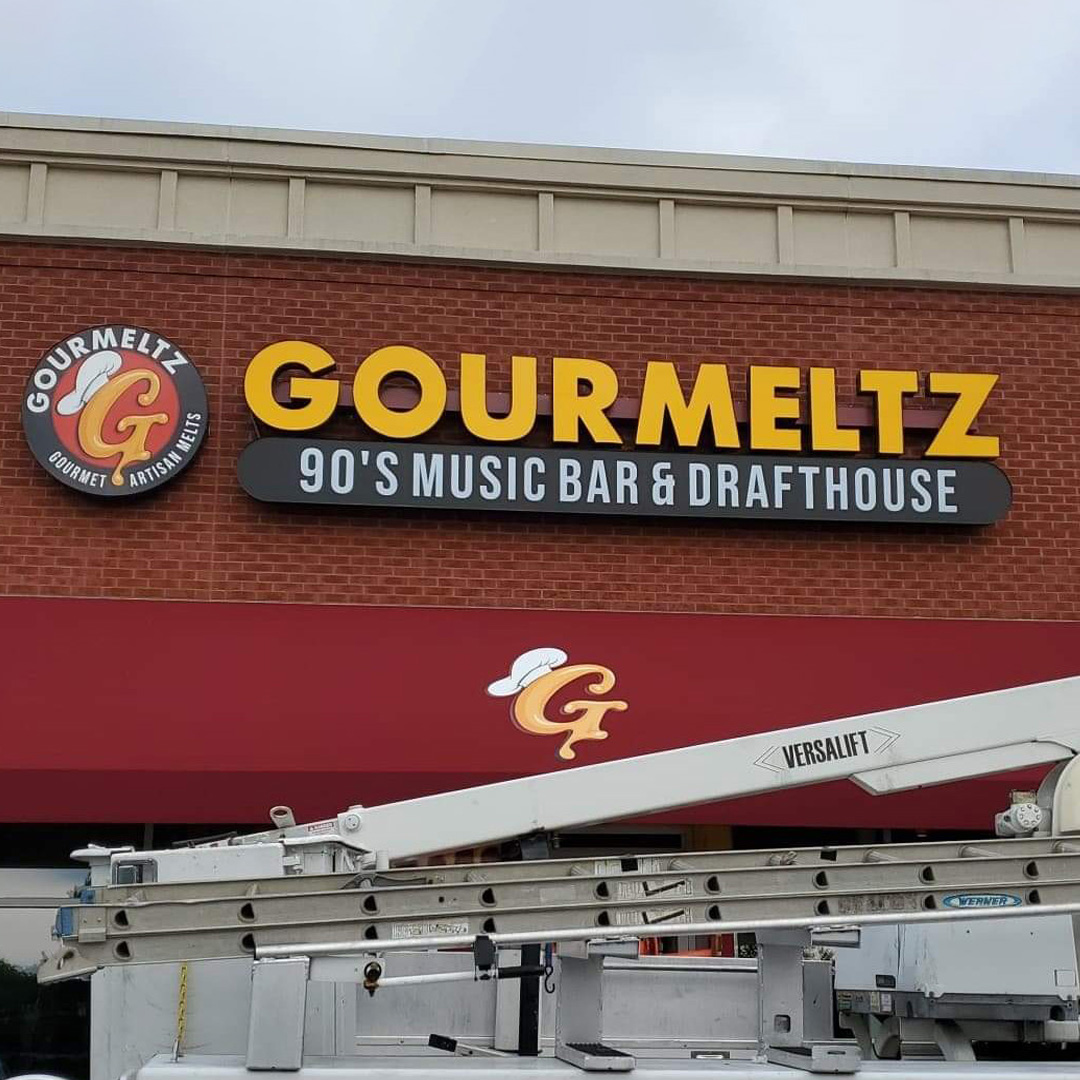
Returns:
<point x="952" y="1041"/>
<point x="783" y="1035"/>
<point x="462" y="1049"/>
<point x="278" y="1004"/>
<point x="517" y="1001"/>
<point x="579" y="1006"/>
<point x="816" y="1058"/>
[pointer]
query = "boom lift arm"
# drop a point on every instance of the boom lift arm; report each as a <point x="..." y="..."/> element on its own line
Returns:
<point x="894" y="750"/>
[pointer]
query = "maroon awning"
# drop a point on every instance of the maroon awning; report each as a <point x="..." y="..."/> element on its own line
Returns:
<point x="117" y="710"/>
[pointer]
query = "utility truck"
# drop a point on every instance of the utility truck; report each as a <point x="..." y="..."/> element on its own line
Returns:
<point x="310" y="949"/>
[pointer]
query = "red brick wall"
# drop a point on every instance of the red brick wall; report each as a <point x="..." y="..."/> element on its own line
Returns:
<point x="201" y="538"/>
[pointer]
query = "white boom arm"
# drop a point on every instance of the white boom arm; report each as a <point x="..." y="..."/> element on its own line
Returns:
<point x="885" y="751"/>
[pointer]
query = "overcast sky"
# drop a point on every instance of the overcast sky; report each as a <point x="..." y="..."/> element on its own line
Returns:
<point x="986" y="83"/>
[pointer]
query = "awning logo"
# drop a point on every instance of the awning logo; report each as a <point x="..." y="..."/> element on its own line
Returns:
<point x="114" y="410"/>
<point x="536" y="677"/>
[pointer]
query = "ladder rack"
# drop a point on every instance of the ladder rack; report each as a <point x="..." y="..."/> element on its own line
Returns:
<point x="491" y="872"/>
<point x="163" y="923"/>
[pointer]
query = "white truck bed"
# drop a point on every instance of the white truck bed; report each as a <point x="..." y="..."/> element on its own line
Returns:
<point x="545" y="1068"/>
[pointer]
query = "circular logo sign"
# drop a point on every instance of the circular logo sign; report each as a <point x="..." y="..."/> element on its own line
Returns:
<point x="114" y="410"/>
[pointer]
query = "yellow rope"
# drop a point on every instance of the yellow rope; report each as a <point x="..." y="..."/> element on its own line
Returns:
<point x="181" y="1012"/>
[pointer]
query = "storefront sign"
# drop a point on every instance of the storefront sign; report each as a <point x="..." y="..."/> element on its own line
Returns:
<point x="114" y="410"/>
<point x="764" y="463"/>
<point x="583" y="391"/>
<point x="118" y="410"/>
<point x="332" y="472"/>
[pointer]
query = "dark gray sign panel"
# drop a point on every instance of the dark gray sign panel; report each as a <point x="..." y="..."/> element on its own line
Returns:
<point x="331" y="472"/>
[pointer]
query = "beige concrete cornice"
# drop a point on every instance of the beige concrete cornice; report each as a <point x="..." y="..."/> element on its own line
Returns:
<point x="91" y="180"/>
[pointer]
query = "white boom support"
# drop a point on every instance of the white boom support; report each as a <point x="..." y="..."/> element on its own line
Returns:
<point x="886" y="751"/>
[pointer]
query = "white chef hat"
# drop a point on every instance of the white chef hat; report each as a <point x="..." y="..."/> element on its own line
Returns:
<point x="94" y="372"/>
<point x="527" y="668"/>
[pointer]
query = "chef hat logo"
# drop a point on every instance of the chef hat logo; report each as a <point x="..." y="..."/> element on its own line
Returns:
<point x="527" y="668"/>
<point x="93" y="373"/>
